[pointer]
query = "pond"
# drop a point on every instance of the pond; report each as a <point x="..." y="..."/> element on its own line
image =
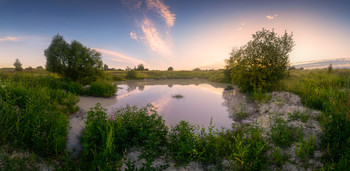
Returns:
<point x="194" y="100"/>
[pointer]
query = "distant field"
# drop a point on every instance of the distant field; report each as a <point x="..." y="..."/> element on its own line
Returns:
<point x="213" y="75"/>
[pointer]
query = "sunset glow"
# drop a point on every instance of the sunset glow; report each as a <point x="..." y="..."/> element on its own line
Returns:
<point x="163" y="33"/>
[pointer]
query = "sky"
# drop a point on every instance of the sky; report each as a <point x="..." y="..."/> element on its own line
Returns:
<point x="184" y="34"/>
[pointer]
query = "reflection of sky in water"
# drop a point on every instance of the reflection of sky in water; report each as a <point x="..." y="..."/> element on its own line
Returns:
<point x="199" y="104"/>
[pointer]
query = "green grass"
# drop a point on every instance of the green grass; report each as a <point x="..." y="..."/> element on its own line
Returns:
<point x="34" y="117"/>
<point x="298" y="115"/>
<point x="329" y="93"/>
<point x="282" y="134"/>
<point x="101" y="89"/>
<point x="305" y="149"/>
<point x="214" y="75"/>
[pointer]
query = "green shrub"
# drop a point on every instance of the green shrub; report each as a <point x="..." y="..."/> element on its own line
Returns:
<point x="34" y="119"/>
<point x="260" y="96"/>
<point x="132" y="74"/>
<point x="278" y="158"/>
<point x="299" y="115"/>
<point x="282" y="134"/>
<point x="183" y="142"/>
<point x="321" y="90"/>
<point x="101" y="89"/>
<point x="248" y="150"/>
<point x="108" y="136"/>
<point x="305" y="148"/>
<point x="262" y="62"/>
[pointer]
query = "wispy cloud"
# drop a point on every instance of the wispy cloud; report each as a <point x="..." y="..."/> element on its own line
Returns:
<point x="119" y="57"/>
<point x="153" y="23"/>
<point x="153" y="39"/>
<point x="9" y="38"/>
<point x="271" y="17"/>
<point x="133" y="35"/>
<point x="163" y="11"/>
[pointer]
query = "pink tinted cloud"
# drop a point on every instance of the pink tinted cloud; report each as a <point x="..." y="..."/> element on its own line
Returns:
<point x="133" y="35"/>
<point x="163" y="11"/>
<point x="9" y="38"/>
<point x="271" y="17"/>
<point x="119" y="57"/>
<point x="153" y="39"/>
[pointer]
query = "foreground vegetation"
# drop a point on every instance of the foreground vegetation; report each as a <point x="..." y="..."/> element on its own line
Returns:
<point x="34" y="118"/>
<point x="328" y="92"/>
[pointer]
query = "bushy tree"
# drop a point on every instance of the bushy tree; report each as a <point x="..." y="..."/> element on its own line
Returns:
<point x="73" y="61"/>
<point x="18" y="65"/>
<point x="170" y="69"/>
<point x="140" y="67"/>
<point x="262" y="62"/>
<point x="105" y="67"/>
<point x="40" y="67"/>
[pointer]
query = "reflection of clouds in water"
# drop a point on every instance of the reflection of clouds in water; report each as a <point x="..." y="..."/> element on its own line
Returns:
<point x="233" y="100"/>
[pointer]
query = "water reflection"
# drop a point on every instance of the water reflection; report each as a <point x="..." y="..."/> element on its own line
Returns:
<point x="203" y="100"/>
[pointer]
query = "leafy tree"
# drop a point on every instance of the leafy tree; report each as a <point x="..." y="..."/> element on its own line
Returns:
<point x="170" y="69"/>
<point x="105" y="67"/>
<point x="18" y="65"/>
<point x="73" y="61"/>
<point x="197" y="69"/>
<point x="262" y="62"/>
<point x="39" y="67"/>
<point x="140" y="67"/>
<point x="131" y="74"/>
<point x="29" y="68"/>
<point x="330" y="68"/>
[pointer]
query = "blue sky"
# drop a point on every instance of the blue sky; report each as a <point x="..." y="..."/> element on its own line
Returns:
<point x="160" y="33"/>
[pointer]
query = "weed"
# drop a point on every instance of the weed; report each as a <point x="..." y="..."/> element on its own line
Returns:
<point x="278" y="158"/>
<point x="282" y="134"/>
<point x="260" y="96"/>
<point x="299" y="115"/>
<point x="305" y="148"/>
<point x="102" y="89"/>
<point x="229" y="87"/>
<point x="242" y="114"/>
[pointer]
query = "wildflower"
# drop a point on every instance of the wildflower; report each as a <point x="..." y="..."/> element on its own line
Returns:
<point x="111" y="116"/>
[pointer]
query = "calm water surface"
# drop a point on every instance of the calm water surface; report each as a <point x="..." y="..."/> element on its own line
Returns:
<point x="202" y="100"/>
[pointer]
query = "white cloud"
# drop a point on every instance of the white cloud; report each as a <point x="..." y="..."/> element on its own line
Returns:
<point x="153" y="39"/>
<point x="271" y="17"/>
<point x="163" y="11"/>
<point x="9" y="38"/>
<point x="119" y="57"/>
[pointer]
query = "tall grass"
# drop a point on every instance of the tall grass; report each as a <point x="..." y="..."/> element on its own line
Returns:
<point x="34" y="113"/>
<point x="328" y="92"/>
<point x="108" y="137"/>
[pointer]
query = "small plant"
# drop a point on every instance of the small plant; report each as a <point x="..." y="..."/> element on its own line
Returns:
<point x="131" y="74"/>
<point x="229" y="87"/>
<point x="330" y="68"/>
<point x="282" y="134"/>
<point x="279" y="102"/>
<point x="101" y="89"/>
<point x="306" y="148"/>
<point x="178" y="96"/>
<point x="261" y="96"/>
<point x="278" y="158"/>
<point x="299" y="115"/>
<point x="242" y="114"/>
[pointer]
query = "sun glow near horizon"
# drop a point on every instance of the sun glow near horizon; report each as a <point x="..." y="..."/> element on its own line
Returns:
<point x="161" y="33"/>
